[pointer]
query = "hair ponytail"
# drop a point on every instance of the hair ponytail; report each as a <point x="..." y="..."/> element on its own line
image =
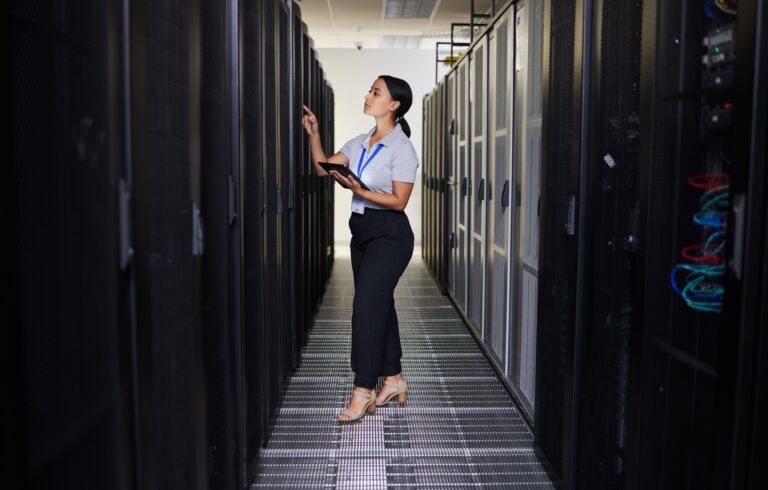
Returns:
<point x="404" y="124"/>
<point x="401" y="92"/>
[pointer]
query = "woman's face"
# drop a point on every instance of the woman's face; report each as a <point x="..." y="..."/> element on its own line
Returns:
<point x="378" y="101"/>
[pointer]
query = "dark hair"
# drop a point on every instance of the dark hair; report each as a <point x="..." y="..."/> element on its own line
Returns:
<point x="401" y="92"/>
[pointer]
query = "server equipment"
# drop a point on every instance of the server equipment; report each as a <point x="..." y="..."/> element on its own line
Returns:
<point x="487" y="153"/>
<point x="702" y="134"/>
<point x="630" y="134"/>
<point x="172" y="238"/>
<point x="642" y="242"/>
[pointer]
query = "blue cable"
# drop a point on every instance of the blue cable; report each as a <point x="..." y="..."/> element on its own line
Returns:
<point x="714" y="196"/>
<point x="711" y="219"/>
<point x="697" y="293"/>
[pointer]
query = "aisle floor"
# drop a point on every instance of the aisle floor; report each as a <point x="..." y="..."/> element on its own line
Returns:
<point x="458" y="429"/>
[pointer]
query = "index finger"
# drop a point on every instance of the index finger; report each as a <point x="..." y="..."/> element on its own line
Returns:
<point x="307" y="109"/>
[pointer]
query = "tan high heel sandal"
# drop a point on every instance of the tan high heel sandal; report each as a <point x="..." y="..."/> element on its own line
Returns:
<point x="369" y="407"/>
<point x="401" y="393"/>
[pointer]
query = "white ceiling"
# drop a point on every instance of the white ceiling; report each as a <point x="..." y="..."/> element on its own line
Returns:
<point x="353" y="23"/>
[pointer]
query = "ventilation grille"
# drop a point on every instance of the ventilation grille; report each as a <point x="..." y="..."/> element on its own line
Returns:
<point x="409" y="9"/>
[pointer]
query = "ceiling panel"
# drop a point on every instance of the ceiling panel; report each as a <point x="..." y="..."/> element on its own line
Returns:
<point x="349" y="23"/>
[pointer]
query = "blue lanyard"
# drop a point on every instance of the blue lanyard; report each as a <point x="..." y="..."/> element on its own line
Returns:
<point x="359" y="170"/>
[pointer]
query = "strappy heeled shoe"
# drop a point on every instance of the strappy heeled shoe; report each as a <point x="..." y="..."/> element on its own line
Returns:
<point x="369" y="407"/>
<point x="401" y="393"/>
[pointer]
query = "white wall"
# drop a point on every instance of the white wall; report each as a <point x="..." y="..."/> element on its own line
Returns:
<point x="351" y="73"/>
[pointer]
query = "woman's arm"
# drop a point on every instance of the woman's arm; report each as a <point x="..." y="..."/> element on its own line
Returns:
<point x="401" y="192"/>
<point x="309" y="121"/>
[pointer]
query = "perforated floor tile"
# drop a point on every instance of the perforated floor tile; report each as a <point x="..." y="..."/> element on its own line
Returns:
<point x="459" y="428"/>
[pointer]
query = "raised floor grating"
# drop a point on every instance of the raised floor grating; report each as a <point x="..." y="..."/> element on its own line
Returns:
<point x="459" y="428"/>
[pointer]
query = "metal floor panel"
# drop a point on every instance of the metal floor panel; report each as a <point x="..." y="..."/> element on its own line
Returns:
<point x="459" y="428"/>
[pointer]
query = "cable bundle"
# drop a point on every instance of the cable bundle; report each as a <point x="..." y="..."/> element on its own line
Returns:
<point x="701" y="288"/>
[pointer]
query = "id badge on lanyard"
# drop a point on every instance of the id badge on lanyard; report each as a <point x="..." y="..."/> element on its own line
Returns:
<point x="358" y="204"/>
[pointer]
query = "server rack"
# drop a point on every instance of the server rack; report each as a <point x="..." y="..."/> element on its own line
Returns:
<point x="610" y="215"/>
<point x="497" y="257"/>
<point x="649" y="149"/>
<point x="561" y="147"/>
<point x="451" y="185"/>
<point x="440" y="195"/>
<point x="219" y="176"/>
<point x="463" y="161"/>
<point x="747" y="292"/>
<point x="493" y="98"/>
<point x="432" y="182"/>
<point x="69" y="325"/>
<point x="478" y="127"/>
<point x="698" y="318"/>
<point x="166" y="179"/>
<point x="273" y="205"/>
<point x="526" y="182"/>
<point x="425" y="160"/>
<point x="250" y="205"/>
<point x="296" y="196"/>
<point x="427" y="197"/>
<point x="155" y="121"/>
<point x="284" y="210"/>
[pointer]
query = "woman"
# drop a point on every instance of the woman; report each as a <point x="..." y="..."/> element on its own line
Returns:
<point x="382" y="239"/>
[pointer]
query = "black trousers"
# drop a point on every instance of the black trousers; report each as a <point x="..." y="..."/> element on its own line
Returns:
<point x="382" y="246"/>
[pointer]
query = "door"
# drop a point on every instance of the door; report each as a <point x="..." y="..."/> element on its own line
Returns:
<point x="499" y="185"/>
<point x="528" y="67"/>
<point x="250" y="206"/>
<point x="67" y="335"/>
<point x="465" y="185"/>
<point x="451" y="187"/>
<point x="558" y="246"/>
<point x="478" y="179"/>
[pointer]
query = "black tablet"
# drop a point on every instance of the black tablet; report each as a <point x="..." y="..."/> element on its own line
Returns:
<point x="343" y="170"/>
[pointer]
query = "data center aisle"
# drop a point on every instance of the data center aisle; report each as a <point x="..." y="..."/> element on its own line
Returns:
<point x="459" y="427"/>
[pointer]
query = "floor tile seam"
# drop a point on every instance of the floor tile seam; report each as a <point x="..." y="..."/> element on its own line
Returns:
<point x="353" y="452"/>
<point x="317" y="461"/>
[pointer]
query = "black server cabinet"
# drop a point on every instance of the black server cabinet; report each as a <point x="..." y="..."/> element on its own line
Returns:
<point x="68" y="177"/>
<point x="560" y="170"/>
<point x="285" y="207"/>
<point x="747" y="291"/>
<point x="167" y="225"/>
<point x="312" y="180"/>
<point x="698" y="139"/>
<point x="307" y="172"/>
<point x="306" y="175"/>
<point x="275" y="328"/>
<point x="219" y="141"/>
<point x="251" y="205"/>
<point x="331" y="122"/>
<point x="296" y="198"/>
<point x="610" y="218"/>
